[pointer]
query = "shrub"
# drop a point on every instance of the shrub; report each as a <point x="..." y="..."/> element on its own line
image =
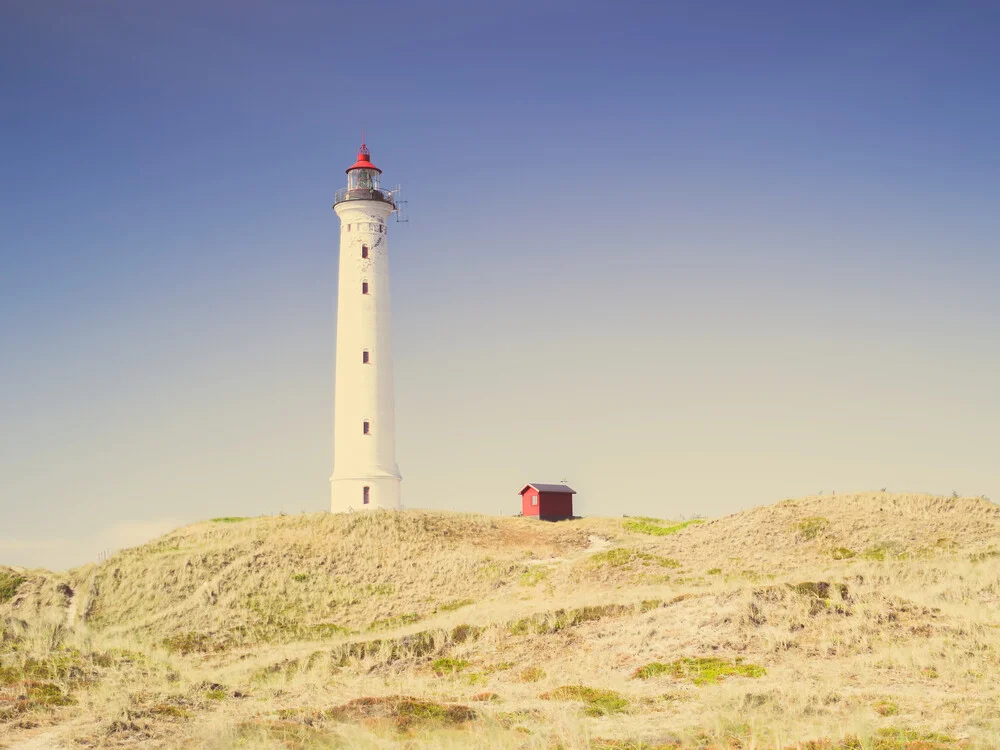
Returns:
<point x="598" y="702"/>
<point x="812" y="527"/>
<point x="46" y="694"/>
<point x="9" y="584"/>
<point x="462" y="633"/>
<point x="700" y="670"/>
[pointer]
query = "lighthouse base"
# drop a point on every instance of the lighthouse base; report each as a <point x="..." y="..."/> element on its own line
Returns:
<point x="349" y="495"/>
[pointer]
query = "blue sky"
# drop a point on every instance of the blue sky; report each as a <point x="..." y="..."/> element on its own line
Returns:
<point x="691" y="256"/>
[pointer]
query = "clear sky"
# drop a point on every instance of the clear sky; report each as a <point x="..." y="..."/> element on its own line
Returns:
<point x="690" y="256"/>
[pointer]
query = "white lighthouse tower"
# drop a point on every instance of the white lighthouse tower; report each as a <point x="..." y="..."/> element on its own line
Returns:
<point x="365" y="474"/>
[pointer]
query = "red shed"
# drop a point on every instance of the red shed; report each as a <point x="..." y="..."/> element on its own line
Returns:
<point x="547" y="502"/>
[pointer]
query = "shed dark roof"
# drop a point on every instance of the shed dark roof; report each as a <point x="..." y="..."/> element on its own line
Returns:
<point x="548" y="488"/>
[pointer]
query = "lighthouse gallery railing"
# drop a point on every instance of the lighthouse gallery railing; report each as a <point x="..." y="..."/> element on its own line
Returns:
<point x="363" y="194"/>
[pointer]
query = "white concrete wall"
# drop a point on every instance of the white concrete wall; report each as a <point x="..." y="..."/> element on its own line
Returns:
<point x="364" y="391"/>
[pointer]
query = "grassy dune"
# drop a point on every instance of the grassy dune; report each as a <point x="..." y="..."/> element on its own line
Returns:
<point x="858" y="621"/>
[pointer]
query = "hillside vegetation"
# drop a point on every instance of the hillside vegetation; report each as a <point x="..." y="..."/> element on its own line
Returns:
<point x="868" y="621"/>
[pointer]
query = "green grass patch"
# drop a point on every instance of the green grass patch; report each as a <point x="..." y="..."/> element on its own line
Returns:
<point x="394" y="622"/>
<point x="327" y="630"/>
<point x="531" y="674"/>
<point x="190" y="643"/>
<point x="552" y="622"/>
<point x="447" y="665"/>
<point x="9" y="584"/>
<point x="626" y="557"/>
<point x="169" y="711"/>
<point x="701" y="670"/>
<point x="498" y="570"/>
<point x="886" y="708"/>
<point x="508" y="719"/>
<point x="714" y="571"/>
<point x="887" y="738"/>
<point x="502" y="666"/>
<point x="812" y="527"/>
<point x="534" y="575"/>
<point x="404" y="712"/>
<point x="885" y="551"/>
<point x="457" y="604"/>
<point x="902" y="738"/>
<point x="46" y="694"/>
<point x="990" y="553"/>
<point x="282" y="733"/>
<point x="300" y="577"/>
<point x="59" y="666"/>
<point x="842" y="553"/>
<point x="230" y="519"/>
<point x="656" y="527"/>
<point x="597" y="702"/>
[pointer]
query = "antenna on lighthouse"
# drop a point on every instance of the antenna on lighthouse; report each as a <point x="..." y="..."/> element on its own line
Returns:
<point x="401" y="216"/>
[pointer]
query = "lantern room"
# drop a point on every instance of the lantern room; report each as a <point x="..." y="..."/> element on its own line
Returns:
<point x="363" y="181"/>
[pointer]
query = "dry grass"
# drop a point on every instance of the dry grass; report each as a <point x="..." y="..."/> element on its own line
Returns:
<point x="444" y="630"/>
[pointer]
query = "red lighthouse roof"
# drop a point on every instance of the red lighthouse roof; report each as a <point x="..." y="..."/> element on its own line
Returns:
<point x="363" y="161"/>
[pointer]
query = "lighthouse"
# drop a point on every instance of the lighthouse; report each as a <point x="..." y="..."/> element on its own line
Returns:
<point x="365" y="474"/>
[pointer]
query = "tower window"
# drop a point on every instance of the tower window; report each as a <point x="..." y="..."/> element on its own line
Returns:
<point x="364" y="287"/>
<point x="367" y="495"/>
<point x="534" y="499"/>
<point x="348" y="227"/>
<point x="367" y="429"/>
<point x="365" y="359"/>
<point x="364" y="251"/>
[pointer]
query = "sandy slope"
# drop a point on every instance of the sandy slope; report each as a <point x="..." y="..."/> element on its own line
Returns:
<point x="869" y="619"/>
